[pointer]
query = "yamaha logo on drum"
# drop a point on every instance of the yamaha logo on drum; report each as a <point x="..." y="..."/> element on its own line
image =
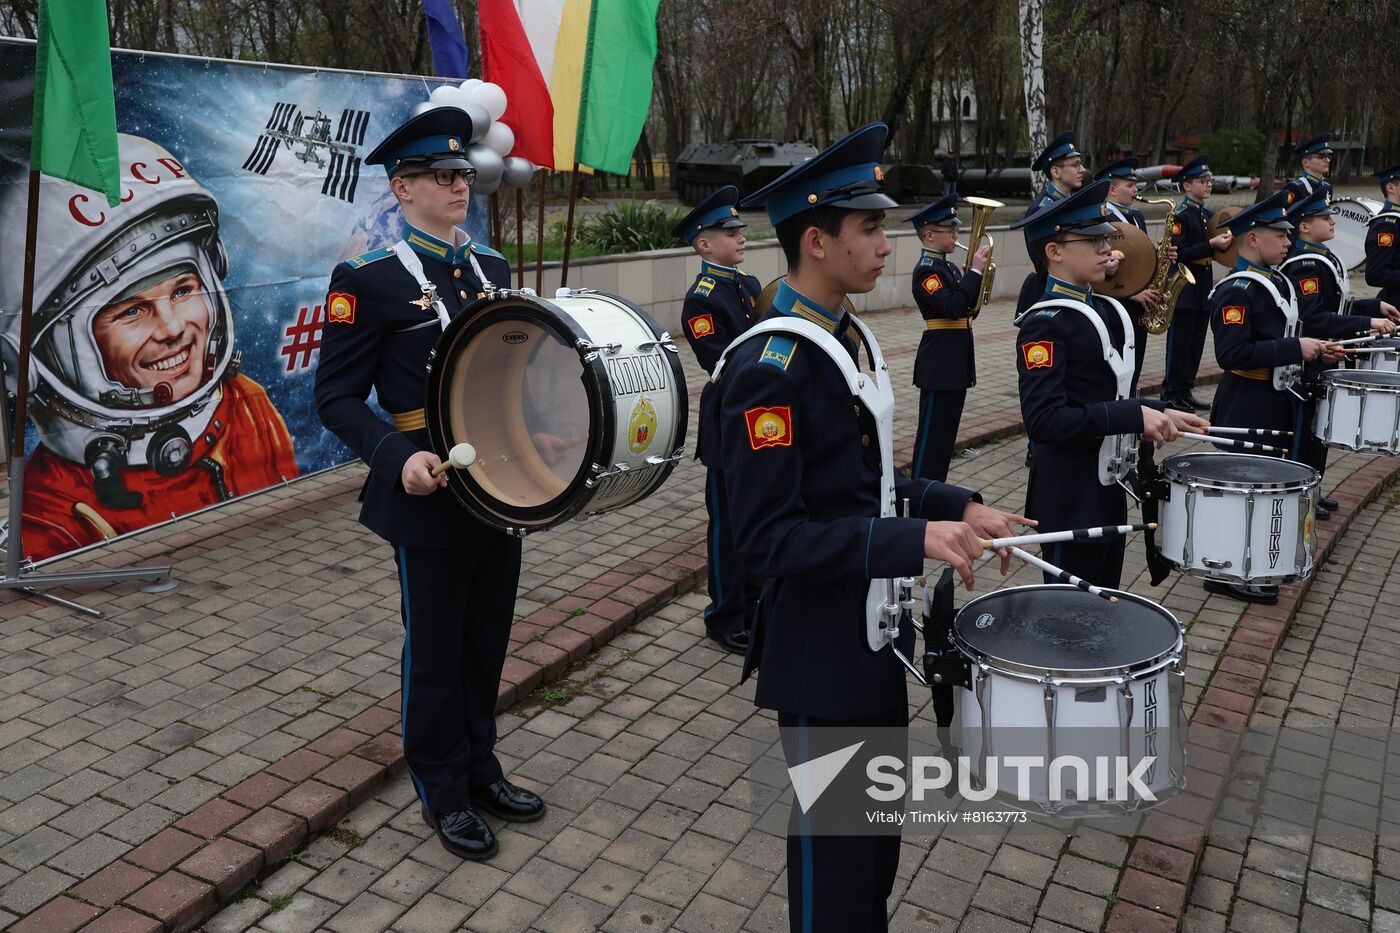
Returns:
<point x="985" y="620"/>
<point x="515" y="336"/>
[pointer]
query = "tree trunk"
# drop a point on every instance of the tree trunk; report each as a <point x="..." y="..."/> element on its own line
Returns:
<point x="1032" y="20"/>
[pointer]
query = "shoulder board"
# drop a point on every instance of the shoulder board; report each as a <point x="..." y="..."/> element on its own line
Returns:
<point x="1047" y="312"/>
<point x="486" y="251"/>
<point x="1241" y="282"/>
<point x="374" y="255"/>
<point x="778" y="351"/>
<point x="703" y="286"/>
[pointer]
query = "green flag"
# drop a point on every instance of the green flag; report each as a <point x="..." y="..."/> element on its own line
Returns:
<point x="75" y="111"/>
<point x="616" y="82"/>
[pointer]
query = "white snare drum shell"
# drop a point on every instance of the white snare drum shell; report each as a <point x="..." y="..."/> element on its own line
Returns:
<point x="1359" y="411"/>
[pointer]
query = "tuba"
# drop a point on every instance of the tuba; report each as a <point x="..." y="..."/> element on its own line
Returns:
<point x="982" y="213"/>
<point x="1157" y="318"/>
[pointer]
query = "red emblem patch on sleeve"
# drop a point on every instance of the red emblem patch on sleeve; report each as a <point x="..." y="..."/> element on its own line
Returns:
<point x="932" y="284"/>
<point x="1039" y="355"/>
<point x="340" y="308"/>
<point x="1385" y="239"/>
<point x="1232" y="314"/>
<point x="1176" y="229"/>
<point x="702" y="325"/>
<point x="1308" y="286"/>
<point x="769" y="427"/>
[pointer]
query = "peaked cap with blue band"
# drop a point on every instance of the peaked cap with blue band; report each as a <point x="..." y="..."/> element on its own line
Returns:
<point x="1388" y="174"/>
<point x="1061" y="147"/>
<point x="1270" y="212"/>
<point x="1084" y="212"/>
<point x="941" y="213"/>
<point x="434" y="139"/>
<point x="717" y="210"/>
<point x="1314" y="205"/>
<point x="845" y="174"/>
<point x="1195" y="168"/>
<point x="1125" y="169"/>
<point x="1316" y="146"/>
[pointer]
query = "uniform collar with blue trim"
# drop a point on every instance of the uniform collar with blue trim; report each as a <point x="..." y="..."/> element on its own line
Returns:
<point x="1187" y="199"/>
<point x="928" y="255"/>
<point x="1053" y="193"/>
<point x="1388" y="207"/>
<point x="1309" y="176"/>
<point x="1059" y="288"/>
<point x="1303" y="247"/>
<point x="793" y="303"/>
<point x="1244" y="265"/>
<point x="713" y="270"/>
<point x="425" y="244"/>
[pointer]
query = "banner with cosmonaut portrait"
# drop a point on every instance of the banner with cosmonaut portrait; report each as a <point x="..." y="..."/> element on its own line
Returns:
<point x="175" y="336"/>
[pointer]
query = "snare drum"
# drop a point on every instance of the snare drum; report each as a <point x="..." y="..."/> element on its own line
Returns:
<point x="1059" y="672"/>
<point x="1359" y="410"/>
<point x="575" y="406"/>
<point x="1240" y="518"/>
<point x="1383" y="356"/>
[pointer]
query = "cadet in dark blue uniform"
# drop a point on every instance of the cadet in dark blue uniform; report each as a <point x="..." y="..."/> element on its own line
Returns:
<point x="458" y="577"/>
<point x="1383" y="239"/>
<point x="1325" y="310"/>
<point x="944" y="368"/>
<point x="1122" y="187"/>
<point x="1186" y="338"/>
<point x="1074" y="378"/>
<point x="1316" y="156"/>
<point x="1063" y="165"/>
<point x="716" y="310"/>
<point x="1253" y="316"/>
<point x="802" y="465"/>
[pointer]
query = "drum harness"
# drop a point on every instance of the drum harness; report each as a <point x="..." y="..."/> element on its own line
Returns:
<point x="410" y="261"/>
<point x="1339" y="275"/>
<point x="1118" y="453"/>
<point x="1285" y="378"/>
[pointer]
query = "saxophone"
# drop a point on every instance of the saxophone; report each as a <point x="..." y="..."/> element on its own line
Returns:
<point x="1158" y="317"/>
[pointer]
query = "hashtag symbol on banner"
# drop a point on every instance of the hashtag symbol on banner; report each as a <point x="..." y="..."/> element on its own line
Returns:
<point x="303" y="339"/>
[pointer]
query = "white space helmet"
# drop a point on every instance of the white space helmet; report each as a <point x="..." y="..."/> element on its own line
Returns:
<point x="90" y="255"/>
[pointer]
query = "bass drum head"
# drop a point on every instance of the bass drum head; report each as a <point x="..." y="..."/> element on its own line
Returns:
<point x="1062" y="630"/>
<point x="1251" y="471"/>
<point x="1352" y="216"/>
<point x="506" y="378"/>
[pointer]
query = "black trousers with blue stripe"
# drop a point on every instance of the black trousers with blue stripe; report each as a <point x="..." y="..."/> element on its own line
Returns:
<point x="1186" y="342"/>
<point x="940" y="412"/>
<point x="458" y="605"/>
<point x="840" y="884"/>
<point x="1099" y="562"/>
<point x="733" y="595"/>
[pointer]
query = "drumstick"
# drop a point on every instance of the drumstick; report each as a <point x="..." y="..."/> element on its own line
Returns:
<point x="1249" y="432"/>
<point x="1241" y="445"/>
<point x="1055" y="537"/>
<point x="459" y="457"/>
<point x="1064" y="576"/>
<point x="1349" y="341"/>
<point x="1367" y="350"/>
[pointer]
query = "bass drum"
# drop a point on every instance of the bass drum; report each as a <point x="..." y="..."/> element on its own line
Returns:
<point x="575" y="406"/>
<point x="1353" y="216"/>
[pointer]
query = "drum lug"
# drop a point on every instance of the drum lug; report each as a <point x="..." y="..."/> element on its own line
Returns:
<point x="599" y="473"/>
<point x="657" y="460"/>
<point x="591" y="350"/>
<point x="1214" y="564"/>
<point x="665" y="342"/>
<point x="1248" y="535"/>
<point x="1050" y="695"/>
<point x="1125" y="717"/>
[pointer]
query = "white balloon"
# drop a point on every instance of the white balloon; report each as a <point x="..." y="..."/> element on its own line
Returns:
<point x="499" y="137"/>
<point x="519" y="171"/>
<point x="491" y="97"/>
<point x="470" y="83"/>
<point x="489" y="168"/>
<point x="420" y="107"/>
<point x="481" y="121"/>
<point x="442" y="93"/>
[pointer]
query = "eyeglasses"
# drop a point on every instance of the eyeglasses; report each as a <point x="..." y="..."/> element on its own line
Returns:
<point x="1100" y="244"/>
<point x="447" y="177"/>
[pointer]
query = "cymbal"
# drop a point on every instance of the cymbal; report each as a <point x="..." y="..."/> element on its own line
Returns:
<point x="1226" y="257"/>
<point x="764" y="301"/>
<point x="1136" y="268"/>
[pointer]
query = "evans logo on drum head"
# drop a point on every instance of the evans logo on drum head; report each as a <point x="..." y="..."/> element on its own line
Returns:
<point x="514" y="336"/>
<point x="985" y="620"/>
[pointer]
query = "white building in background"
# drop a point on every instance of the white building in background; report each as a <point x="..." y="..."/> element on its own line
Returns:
<point x="954" y="117"/>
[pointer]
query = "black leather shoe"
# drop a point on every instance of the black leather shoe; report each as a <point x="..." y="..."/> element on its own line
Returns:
<point x="1195" y="403"/>
<point x="463" y="833"/>
<point x="733" y="642"/>
<point x="1249" y="592"/>
<point x="1181" y="404"/>
<point x="505" y="800"/>
<point x="1329" y="504"/>
<point x="1322" y="513"/>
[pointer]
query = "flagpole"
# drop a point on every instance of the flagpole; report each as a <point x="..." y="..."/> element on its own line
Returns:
<point x="14" y="547"/>
<point x="539" y="235"/>
<point x="569" y="227"/>
<point x="520" y="237"/>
